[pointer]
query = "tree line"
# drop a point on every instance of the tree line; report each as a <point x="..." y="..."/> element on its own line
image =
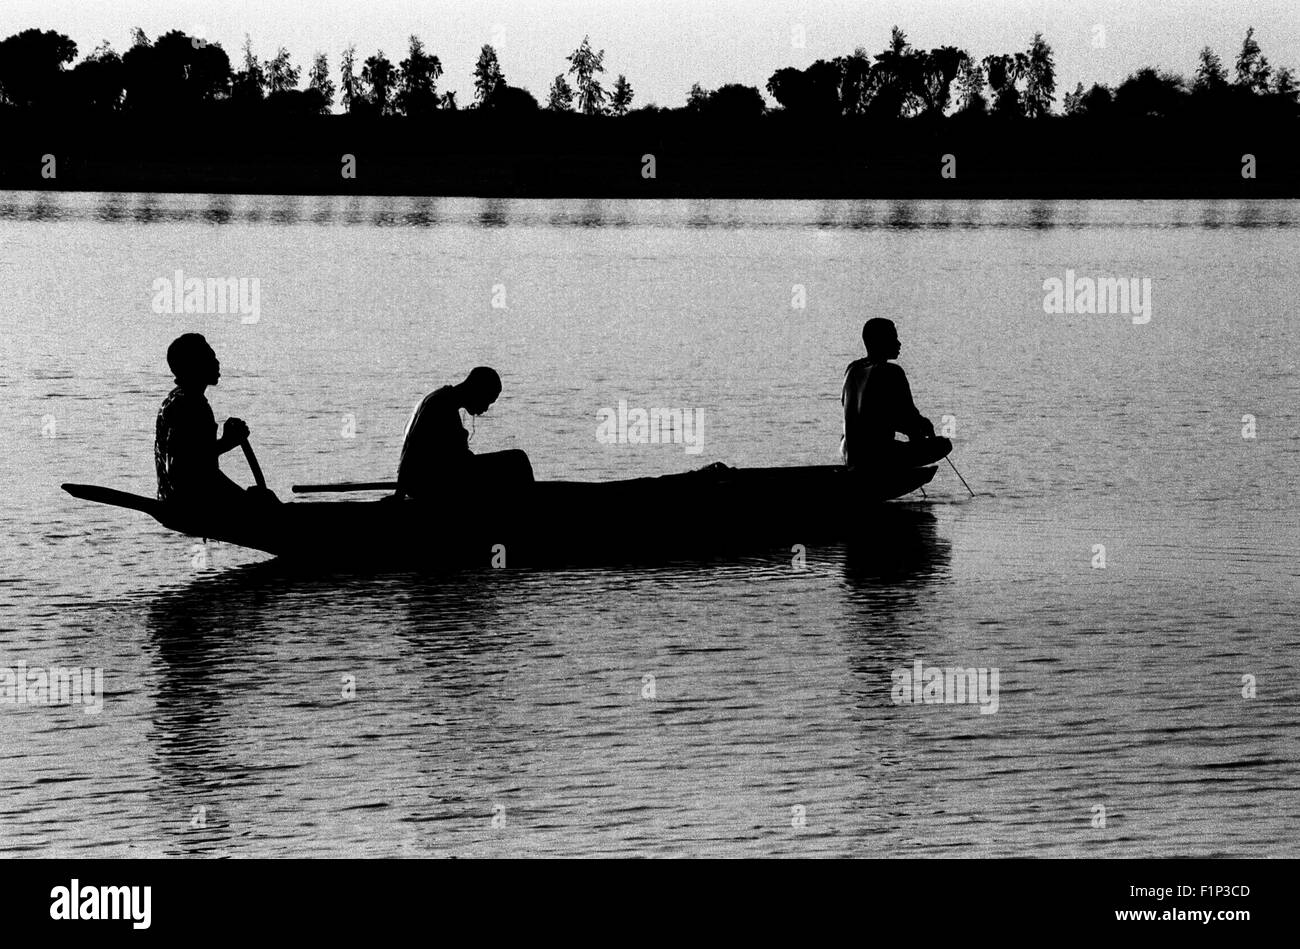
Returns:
<point x="178" y="71"/>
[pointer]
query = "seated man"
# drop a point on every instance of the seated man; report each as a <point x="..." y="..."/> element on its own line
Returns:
<point x="435" y="454"/>
<point x="186" y="445"/>
<point x="878" y="403"/>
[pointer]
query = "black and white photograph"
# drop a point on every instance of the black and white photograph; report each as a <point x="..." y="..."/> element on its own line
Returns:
<point x="442" y="436"/>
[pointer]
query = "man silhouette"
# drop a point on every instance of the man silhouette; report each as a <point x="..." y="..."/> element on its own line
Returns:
<point x="435" y="452"/>
<point x="186" y="446"/>
<point x="878" y="404"/>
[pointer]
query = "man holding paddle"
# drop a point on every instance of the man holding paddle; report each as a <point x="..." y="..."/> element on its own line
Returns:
<point x="186" y="446"/>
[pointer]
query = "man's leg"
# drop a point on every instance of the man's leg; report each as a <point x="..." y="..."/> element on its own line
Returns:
<point x="921" y="452"/>
<point x="510" y="467"/>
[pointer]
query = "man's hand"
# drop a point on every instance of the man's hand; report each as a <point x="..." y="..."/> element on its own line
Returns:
<point x="235" y="432"/>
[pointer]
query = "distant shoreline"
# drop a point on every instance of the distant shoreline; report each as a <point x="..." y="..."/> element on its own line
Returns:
<point x="655" y="156"/>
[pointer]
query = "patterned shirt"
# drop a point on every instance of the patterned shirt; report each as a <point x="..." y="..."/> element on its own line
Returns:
<point x="185" y="446"/>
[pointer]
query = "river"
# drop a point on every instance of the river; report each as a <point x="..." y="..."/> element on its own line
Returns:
<point x="1128" y="565"/>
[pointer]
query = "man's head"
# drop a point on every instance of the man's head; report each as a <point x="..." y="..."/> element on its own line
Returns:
<point x="193" y="362"/>
<point x="881" y="338"/>
<point x="480" y="389"/>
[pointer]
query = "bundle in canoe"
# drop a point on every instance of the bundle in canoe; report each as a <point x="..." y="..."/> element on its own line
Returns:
<point x="713" y="508"/>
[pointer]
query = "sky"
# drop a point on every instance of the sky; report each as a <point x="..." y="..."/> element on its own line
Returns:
<point x="663" y="46"/>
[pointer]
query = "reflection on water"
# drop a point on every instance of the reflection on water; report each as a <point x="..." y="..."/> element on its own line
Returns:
<point x="423" y="212"/>
<point x="324" y="211"/>
<point x="901" y="214"/>
<point x="146" y="210"/>
<point x="218" y="211"/>
<point x="495" y="213"/>
<point x="444" y="668"/>
<point x="1042" y="215"/>
<point x="907" y="555"/>
<point x="113" y="209"/>
<point x="286" y="210"/>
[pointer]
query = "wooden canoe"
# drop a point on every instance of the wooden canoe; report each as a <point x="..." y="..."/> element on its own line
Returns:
<point x="712" y="509"/>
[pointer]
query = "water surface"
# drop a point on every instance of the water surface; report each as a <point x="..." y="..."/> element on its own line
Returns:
<point x="504" y="712"/>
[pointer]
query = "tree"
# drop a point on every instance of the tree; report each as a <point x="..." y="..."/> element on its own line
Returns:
<point x="1284" y="85"/>
<point x="281" y="74"/>
<point x="417" y="80"/>
<point x="1253" y="69"/>
<point x="934" y="75"/>
<point x="1040" y="78"/>
<point x="349" y="84"/>
<point x="814" y="91"/>
<point x="585" y="64"/>
<point x="1210" y="75"/>
<point x="319" y="79"/>
<point x="1097" y="100"/>
<point x="1004" y="71"/>
<point x="734" y="101"/>
<point x="1072" y="103"/>
<point x="174" y="72"/>
<point x="511" y="99"/>
<point x="250" y="81"/>
<point x="896" y="79"/>
<point x="1151" y="92"/>
<point x="488" y="77"/>
<point x="97" y="82"/>
<point x="855" y="81"/>
<point x="32" y="66"/>
<point x="698" y="97"/>
<point x="377" y="74"/>
<point x="970" y="87"/>
<point x="621" y="99"/>
<point x="560" y="97"/>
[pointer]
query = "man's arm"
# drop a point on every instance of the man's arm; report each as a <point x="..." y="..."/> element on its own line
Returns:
<point x="851" y="398"/>
<point x="908" y="419"/>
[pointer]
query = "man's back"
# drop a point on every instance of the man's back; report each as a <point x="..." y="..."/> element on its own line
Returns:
<point x="183" y="450"/>
<point x="877" y="404"/>
<point x="436" y="442"/>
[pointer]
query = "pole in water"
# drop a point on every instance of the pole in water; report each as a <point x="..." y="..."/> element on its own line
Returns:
<point x="958" y="474"/>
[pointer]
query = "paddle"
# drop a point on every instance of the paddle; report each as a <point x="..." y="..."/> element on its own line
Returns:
<point x="958" y="474"/>
<point x="345" y="486"/>
<point x="253" y="466"/>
